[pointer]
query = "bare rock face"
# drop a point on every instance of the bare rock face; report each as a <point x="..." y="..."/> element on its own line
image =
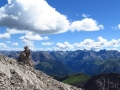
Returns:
<point x="15" y="76"/>
<point x="25" y="58"/>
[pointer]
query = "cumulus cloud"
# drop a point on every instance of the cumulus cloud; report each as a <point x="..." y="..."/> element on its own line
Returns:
<point x="87" y="24"/>
<point x="33" y="15"/>
<point x="101" y="40"/>
<point x="3" y="46"/>
<point x="115" y="43"/>
<point x="90" y="44"/>
<point x="5" y="36"/>
<point x="33" y="37"/>
<point x="47" y="43"/>
<point x="38" y="16"/>
<point x="100" y="43"/>
<point x="15" y="44"/>
<point x="15" y="31"/>
<point x="63" y="46"/>
<point x="30" y="37"/>
<point x="118" y="26"/>
<point x="28" y="43"/>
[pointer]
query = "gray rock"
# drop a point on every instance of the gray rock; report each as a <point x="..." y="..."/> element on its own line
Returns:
<point x="16" y="76"/>
<point x="24" y="57"/>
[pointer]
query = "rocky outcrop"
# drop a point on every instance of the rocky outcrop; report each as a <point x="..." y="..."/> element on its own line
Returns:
<point x="109" y="81"/>
<point x="15" y="76"/>
<point x="25" y="58"/>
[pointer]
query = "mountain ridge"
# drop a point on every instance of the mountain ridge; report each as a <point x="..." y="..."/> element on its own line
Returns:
<point x="66" y="62"/>
<point x="102" y="81"/>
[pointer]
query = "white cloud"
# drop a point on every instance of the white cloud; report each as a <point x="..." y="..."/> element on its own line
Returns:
<point x="33" y="15"/>
<point x="45" y="38"/>
<point x="30" y="37"/>
<point x="47" y="43"/>
<point x="28" y="43"/>
<point x="101" y="39"/>
<point x="16" y="49"/>
<point x="15" y="31"/>
<point x="3" y="46"/>
<point x="112" y="49"/>
<point x="38" y="16"/>
<point x="64" y="46"/>
<point x="15" y="44"/>
<point x="87" y="24"/>
<point x="100" y="43"/>
<point x="85" y="15"/>
<point x="115" y="43"/>
<point x="88" y="41"/>
<point x="49" y="49"/>
<point x="5" y="36"/>
<point x="118" y="26"/>
<point x="90" y="44"/>
<point x="33" y="37"/>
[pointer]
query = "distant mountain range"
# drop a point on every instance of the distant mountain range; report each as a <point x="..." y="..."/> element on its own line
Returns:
<point x="49" y="65"/>
<point x="69" y="62"/>
<point x="93" y="63"/>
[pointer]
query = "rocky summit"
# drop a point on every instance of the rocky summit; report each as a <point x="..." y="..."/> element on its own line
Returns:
<point x="18" y="76"/>
<point x="109" y="81"/>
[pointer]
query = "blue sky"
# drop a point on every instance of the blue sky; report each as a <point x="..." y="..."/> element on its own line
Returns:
<point x="60" y="24"/>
